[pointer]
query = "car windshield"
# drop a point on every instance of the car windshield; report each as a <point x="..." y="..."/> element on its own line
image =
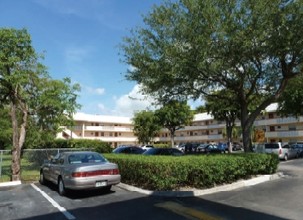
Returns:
<point x="270" y="146"/>
<point x="85" y="158"/>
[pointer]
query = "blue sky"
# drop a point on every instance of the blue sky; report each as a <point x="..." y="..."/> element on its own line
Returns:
<point x="80" y="40"/>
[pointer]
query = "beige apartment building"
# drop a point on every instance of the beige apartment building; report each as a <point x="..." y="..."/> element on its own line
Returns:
<point x="269" y="127"/>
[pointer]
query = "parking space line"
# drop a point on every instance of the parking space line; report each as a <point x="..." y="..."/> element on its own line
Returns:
<point x="68" y="215"/>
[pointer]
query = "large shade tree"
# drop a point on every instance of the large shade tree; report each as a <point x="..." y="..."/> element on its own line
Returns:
<point x="29" y="92"/>
<point x="190" y="48"/>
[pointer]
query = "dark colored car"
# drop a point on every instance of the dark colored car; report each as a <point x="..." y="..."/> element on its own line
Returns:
<point x="79" y="170"/>
<point x="163" y="151"/>
<point x="128" y="150"/>
<point x="210" y="149"/>
<point x="236" y="147"/>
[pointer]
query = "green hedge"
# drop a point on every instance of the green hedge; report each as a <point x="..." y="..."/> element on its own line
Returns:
<point x="96" y="145"/>
<point x="171" y="173"/>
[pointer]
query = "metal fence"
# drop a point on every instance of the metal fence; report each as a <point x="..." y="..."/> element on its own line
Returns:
<point x="31" y="160"/>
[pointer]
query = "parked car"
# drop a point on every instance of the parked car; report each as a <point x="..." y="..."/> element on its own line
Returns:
<point x="210" y="149"/>
<point x="189" y="148"/>
<point x="128" y="150"/>
<point x="298" y="147"/>
<point x="284" y="152"/>
<point x="237" y="147"/>
<point x="163" y="151"/>
<point x="146" y="147"/>
<point x="80" y="170"/>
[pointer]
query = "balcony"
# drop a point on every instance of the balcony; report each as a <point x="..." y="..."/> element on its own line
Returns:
<point x="202" y="127"/>
<point x="114" y="139"/>
<point x="283" y="134"/>
<point x="278" y="121"/>
<point x="108" y="128"/>
<point x="193" y="138"/>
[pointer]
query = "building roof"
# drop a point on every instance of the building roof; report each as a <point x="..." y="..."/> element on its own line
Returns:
<point x="203" y="116"/>
<point x="127" y="120"/>
<point x="272" y="107"/>
<point x="102" y="118"/>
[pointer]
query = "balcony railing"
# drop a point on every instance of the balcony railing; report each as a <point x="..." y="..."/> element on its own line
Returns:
<point x="193" y="138"/>
<point x="283" y="134"/>
<point x="278" y="121"/>
<point x="114" y="139"/>
<point x="108" y="128"/>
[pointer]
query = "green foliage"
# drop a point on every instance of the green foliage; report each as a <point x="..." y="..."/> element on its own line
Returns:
<point x="193" y="48"/>
<point x="33" y="97"/>
<point x="291" y="101"/>
<point x="145" y="126"/>
<point x="5" y="128"/>
<point x="171" y="173"/>
<point x="173" y="116"/>
<point x="94" y="145"/>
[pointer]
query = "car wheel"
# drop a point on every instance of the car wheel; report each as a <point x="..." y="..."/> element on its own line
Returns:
<point x="42" y="180"/>
<point x="285" y="157"/>
<point x="61" y="187"/>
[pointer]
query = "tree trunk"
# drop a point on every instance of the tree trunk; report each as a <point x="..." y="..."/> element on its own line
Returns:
<point x="18" y="141"/>
<point x="229" y="129"/>
<point x="246" y="124"/>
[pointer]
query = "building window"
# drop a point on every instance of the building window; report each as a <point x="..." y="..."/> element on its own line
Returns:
<point x="292" y="128"/>
<point x="96" y="134"/>
<point x="102" y="134"/>
<point x="271" y="115"/>
<point x="271" y="128"/>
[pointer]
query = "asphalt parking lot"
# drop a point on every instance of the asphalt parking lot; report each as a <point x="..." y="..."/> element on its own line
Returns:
<point x="277" y="199"/>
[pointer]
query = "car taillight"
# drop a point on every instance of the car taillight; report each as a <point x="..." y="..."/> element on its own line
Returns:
<point x="280" y="151"/>
<point x="95" y="173"/>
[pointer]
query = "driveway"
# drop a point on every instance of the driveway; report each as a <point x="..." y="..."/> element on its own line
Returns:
<point x="272" y="200"/>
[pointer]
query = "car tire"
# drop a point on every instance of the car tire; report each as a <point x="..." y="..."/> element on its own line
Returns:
<point x="285" y="157"/>
<point x="42" y="179"/>
<point x="61" y="187"/>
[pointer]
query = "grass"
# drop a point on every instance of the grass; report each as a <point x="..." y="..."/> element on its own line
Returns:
<point x="29" y="173"/>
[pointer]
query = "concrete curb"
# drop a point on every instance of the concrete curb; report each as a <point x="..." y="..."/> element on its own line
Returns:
<point x="12" y="183"/>
<point x="200" y="192"/>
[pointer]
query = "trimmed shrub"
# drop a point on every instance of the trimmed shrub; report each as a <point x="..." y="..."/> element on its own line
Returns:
<point x="172" y="173"/>
<point x="95" y="145"/>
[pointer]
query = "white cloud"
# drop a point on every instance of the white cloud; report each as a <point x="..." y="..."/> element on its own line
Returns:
<point x="128" y="104"/>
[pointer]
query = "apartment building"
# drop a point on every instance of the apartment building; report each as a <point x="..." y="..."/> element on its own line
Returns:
<point x="268" y="127"/>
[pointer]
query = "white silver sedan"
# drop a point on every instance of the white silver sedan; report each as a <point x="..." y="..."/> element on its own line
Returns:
<point x="80" y="170"/>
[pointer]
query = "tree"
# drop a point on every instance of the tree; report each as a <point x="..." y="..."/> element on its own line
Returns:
<point x="200" y="109"/>
<point x="224" y="110"/>
<point x="27" y="89"/>
<point x="291" y="101"/>
<point x="145" y="126"/>
<point x="192" y="48"/>
<point x="5" y="128"/>
<point x="174" y="115"/>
